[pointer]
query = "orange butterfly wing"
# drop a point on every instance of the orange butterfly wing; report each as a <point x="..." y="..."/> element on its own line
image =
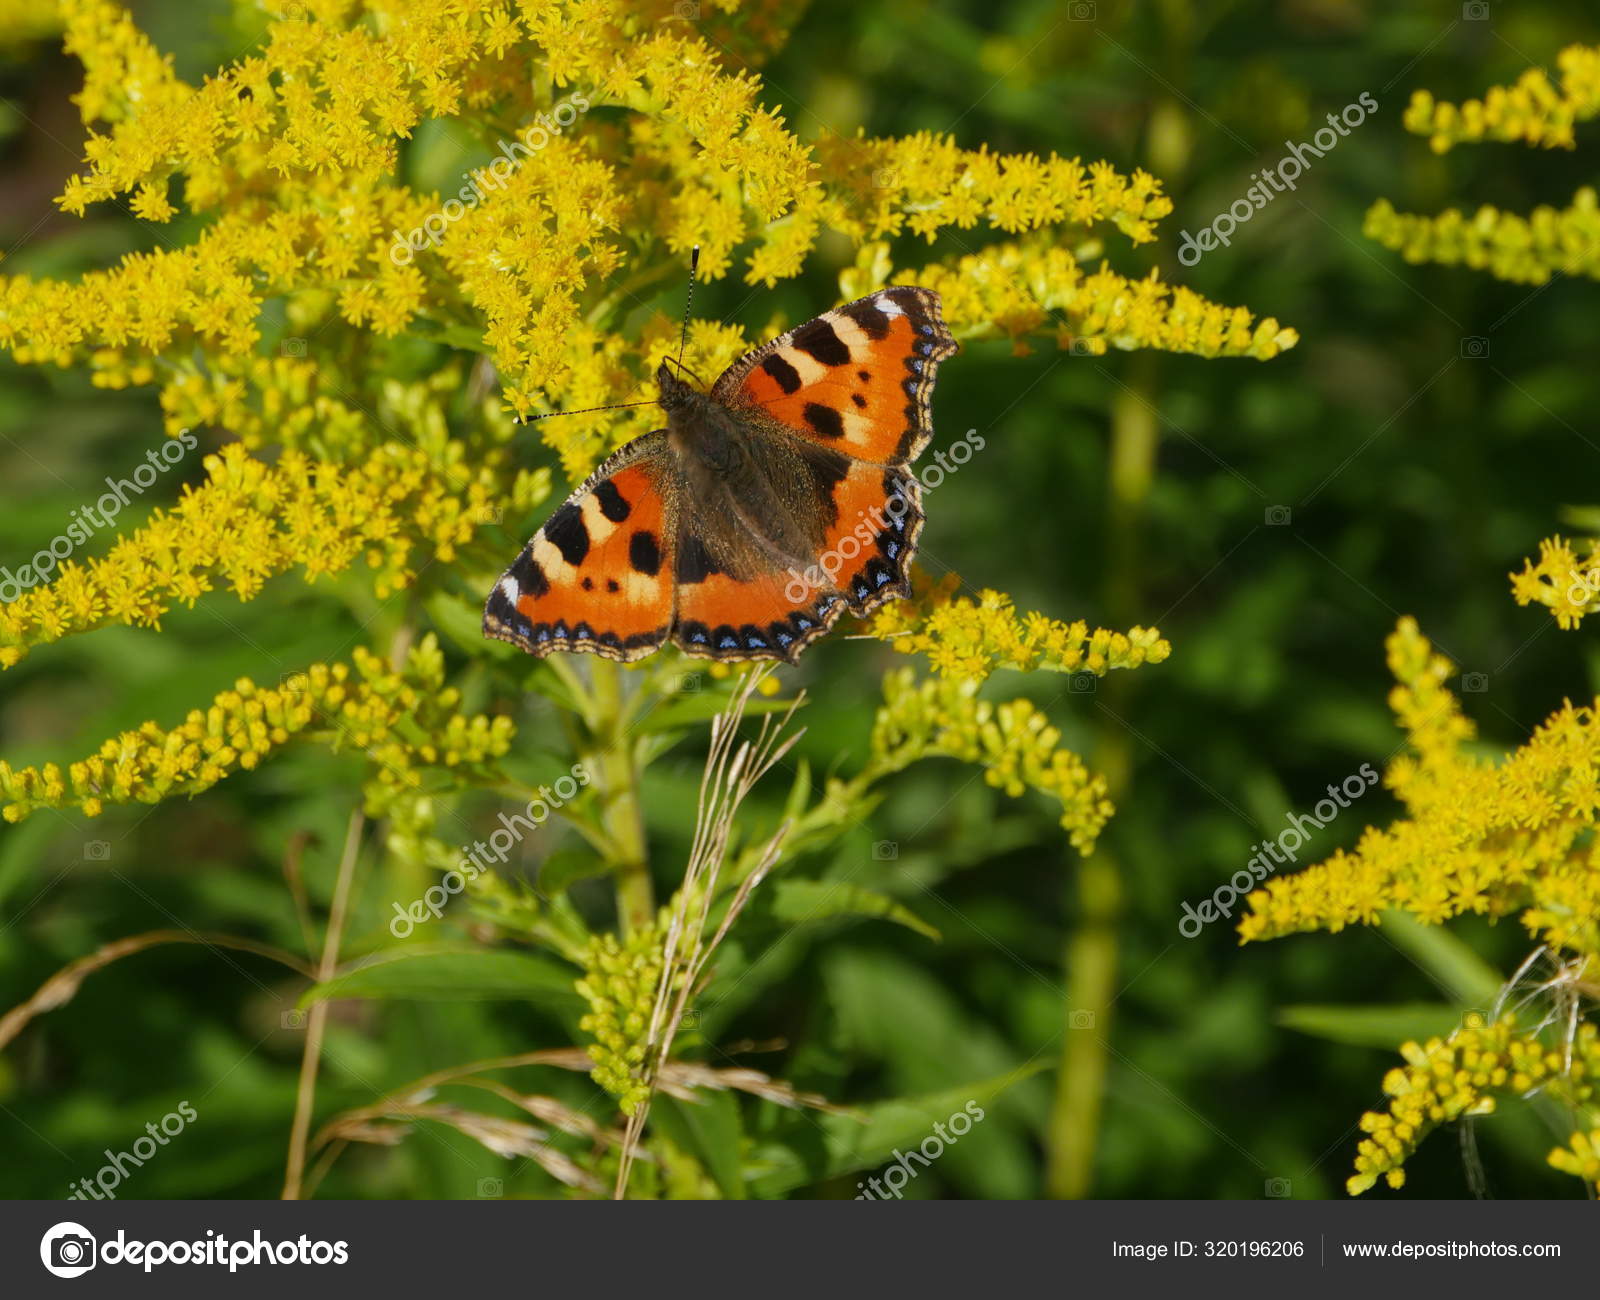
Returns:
<point x="857" y="379"/>
<point x="598" y="575"/>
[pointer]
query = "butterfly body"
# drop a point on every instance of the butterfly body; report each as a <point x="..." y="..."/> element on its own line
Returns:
<point x="764" y="509"/>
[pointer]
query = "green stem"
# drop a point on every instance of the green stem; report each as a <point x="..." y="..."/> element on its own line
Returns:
<point x="1090" y="957"/>
<point x="617" y="760"/>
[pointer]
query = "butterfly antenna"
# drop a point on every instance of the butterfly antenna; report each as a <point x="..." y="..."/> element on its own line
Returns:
<point x="688" y="302"/>
<point x="588" y="410"/>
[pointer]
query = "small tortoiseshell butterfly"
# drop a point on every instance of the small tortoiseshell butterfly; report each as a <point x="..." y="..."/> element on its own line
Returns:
<point x="762" y="511"/>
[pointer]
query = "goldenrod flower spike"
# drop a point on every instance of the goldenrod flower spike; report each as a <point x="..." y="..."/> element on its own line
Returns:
<point x="1523" y="250"/>
<point x="1013" y="742"/>
<point x="1513" y="835"/>
<point x="970" y="639"/>
<point x="403" y="721"/>
<point x="1533" y="110"/>
<point x="251" y="521"/>
<point x="1454" y="1078"/>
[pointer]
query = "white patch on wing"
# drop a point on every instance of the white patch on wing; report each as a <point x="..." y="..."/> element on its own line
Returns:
<point x="887" y="305"/>
<point x="510" y="590"/>
<point x="595" y="521"/>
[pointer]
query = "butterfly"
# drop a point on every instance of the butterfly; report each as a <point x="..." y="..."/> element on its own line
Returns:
<point x="766" y="508"/>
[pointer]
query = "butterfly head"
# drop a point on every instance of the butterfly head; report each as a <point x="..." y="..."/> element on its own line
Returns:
<point x="676" y="393"/>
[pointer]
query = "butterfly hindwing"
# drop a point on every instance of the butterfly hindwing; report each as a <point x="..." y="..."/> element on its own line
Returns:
<point x="598" y="575"/>
<point x="768" y="610"/>
<point x="857" y="378"/>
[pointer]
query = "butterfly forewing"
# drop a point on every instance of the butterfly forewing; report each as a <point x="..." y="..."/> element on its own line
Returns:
<point x="857" y="378"/>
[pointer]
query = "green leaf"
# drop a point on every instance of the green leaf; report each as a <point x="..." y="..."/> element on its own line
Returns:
<point x="453" y="974"/>
<point x="848" y="1145"/>
<point x="565" y="867"/>
<point x="710" y="1129"/>
<point x="798" y="901"/>
<point x="1365" y="1026"/>
<point x="462" y="623"/>
<point x="1465" y="975"/>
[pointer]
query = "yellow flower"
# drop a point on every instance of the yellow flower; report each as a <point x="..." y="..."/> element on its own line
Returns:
<point x="1462" y="1075"/>
<point x="1532" y="110"/>
<point x="970" y="639"/>
<point x="1524" y="250"/>
<point x="1013" y="742"/>
<point x="1498" y="837"/>
<point x="402" y="720"/>
<point x="1565" y="584"/>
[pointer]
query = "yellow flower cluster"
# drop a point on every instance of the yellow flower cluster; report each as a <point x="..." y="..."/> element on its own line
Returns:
<point x="295" y="148"/>
<point x="1037" y="287"/>
<point x="1567" y="585"/>
<point x="1448" y="1079"/>
<point x="1013" y="742"/>
<point x="1524" y="250"/>
<point x="922" y="183"/>
<point x="970" y="639"/>
<point x="1533" y="109"/>
<point x="251" y="521"/>
<point x="404" y="721"/>
<point x="1580" y="1157"/>
<point x="619" y="984"/>
<point x="1494" y="837"/>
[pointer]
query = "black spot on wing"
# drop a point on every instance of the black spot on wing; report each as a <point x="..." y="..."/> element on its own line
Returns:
<point x="644" y="554"/>
<point x="870" y="318"/>
<point x="566" y="531"/>
<point x="613" y="505"/>
<point x="860" y="401"/>
<point x="817" y="339"/>
<point x="528" y="576"/>
<point x="785" y="375"/>
<point x="824" y="419"/>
